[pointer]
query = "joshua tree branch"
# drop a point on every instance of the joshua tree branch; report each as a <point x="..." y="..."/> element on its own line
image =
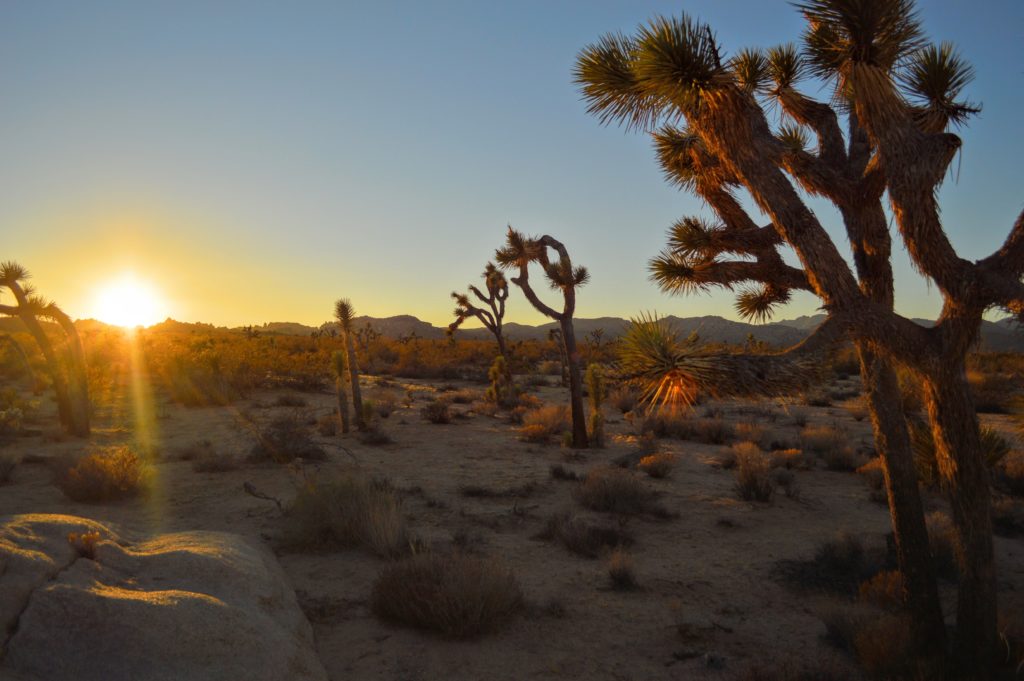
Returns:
<point x="820" y="118"/>
<point x="817" y="176"/>
<point x="1010" y="256"/>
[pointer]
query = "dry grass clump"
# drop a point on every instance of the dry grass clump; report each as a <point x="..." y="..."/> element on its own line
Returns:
<point x="465" y="396"/>
<point x="327" y="425"/>
<point x="785" y="479"/>
<point x="753" y="432"/>
<point x="614" y="490"/>
<point x="437" y="411"/>
<point x="821" y="439"/>
<point x="290" y="400"/>
<point x="753" y="473"/>
<point x="109" y="474"/>
<point x="522" y="491"/>
<point x="873" y="473"/>
<point x="582" y="538"/>
<point x="839" y="565"/>
<point x="993" y="393"/>
<point x="881" y="641"/>
<point x="621" y="571"/>
<point x="7" y="466"/>
<point x="385" y="402"/>
<point x="349" y="510"/>
<point x="713" y="431"/>
<point x="560" y="472"/>
<point x="457" y="595"/>
<point x="287" y="437"/>
<point x="790" y="459"/>
<point x="885" y="590"/>
<point x="624" y="398"/>
<point x="658" y="465"/>
<point x="545" y="423"/>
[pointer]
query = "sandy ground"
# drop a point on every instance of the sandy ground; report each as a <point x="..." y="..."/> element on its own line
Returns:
<point x="712" y="569"/>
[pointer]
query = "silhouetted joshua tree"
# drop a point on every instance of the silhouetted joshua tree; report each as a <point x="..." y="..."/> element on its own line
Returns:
<point x="345" y="313"/>
<point x="497" y="294"/>
<point x="519" y="252"/>
<point x="71" y="389"/>
<point x="898" y="96"/>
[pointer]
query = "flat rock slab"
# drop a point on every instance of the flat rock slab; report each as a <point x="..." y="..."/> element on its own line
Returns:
<point x="190" y="605"/>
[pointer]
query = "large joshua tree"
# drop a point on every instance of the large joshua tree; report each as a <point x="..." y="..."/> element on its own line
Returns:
<point x="71" y="388"/>
<point x="345" y="313"/>
<point x="897" y="96"/>
<point x="518" y="253"/>
<point x="491" y="318"/>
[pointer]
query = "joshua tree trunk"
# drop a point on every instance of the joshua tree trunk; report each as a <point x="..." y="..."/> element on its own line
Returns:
<point x="60" y="385"/>
<point x="78" y="388"/>
<point x="353" y="372"/>
<point x="905" y="509"/>
<point x="961" y="465"/>
<point x="579" y="417"/>
<point x="339" y="388"/>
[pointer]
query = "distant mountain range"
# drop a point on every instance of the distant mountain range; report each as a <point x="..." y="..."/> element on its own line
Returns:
<point x="1001" y="336"/>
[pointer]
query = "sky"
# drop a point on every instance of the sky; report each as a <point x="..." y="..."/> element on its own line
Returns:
<point x="254" y="161"/>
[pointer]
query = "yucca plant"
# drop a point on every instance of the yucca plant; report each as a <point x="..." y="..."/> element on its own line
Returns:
<point x="340" y="375"/>
<point x="71" y="388"/>
<point x="596" y="392"/>
<point x="518" y="253"/>
<point x="896" y="96"/>
<point x="345" y="313"/>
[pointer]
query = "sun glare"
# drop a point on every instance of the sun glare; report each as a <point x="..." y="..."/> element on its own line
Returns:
<point x="128" y="302"/>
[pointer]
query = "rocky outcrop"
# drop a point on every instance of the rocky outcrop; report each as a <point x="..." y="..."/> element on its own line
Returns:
<point x="192" y="605"/>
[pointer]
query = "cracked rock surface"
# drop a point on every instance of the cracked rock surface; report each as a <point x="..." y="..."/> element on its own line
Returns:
<point x="188" y="605"/>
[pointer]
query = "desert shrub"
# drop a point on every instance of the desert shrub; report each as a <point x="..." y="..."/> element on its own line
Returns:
<point x="658" y="465"/>
<point x="885" y="590"/>
<point x="465" y="396"/>
<point x="624" y="398"/>
<point x="858" y="411"/>
<point x="457" y="595"/>
<point x="211" y="461"/>
<point x="667" y="424"/>
<point x="109" y="474"/>
<point x="790" y="459"/>
<point x="839" y="565"/>
<point x="522" y="491"/>
<point x="385" y="403"/>
<point x="286" y="438"/>
<point x="842" y="459"/>
<point x="712" y="431"/>
<point x="437" y="411"/>
<point x="821" y="440"/>
<point x="347" y="511"/>
<point x="753" y="474"/>
<point x="545" y="423"/>
<point x="621" y="572"/>
<point x="873" y="473"/>
<point x="884" y="647"/>
<point x="614" y="490"/>
<point x="290" y="400"/>
<point x="799" y="417"/>
<point x="596" y="392"/>
<point x="7" y="466"/>
<point x="752" y="432"/>
<point x="1010" y="473"/>
<point x="818" y="399"/>
<point x="375" y="436"/>
<point x="582" y="538"/>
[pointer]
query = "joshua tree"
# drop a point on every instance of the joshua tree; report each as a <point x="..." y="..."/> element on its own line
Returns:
<point x="497" y="294"/>
<point x="8" y="340"/>
<point x="555" y="336"/>
<point x="340" y="369"/>
<point x="72" y="389"/>
<point x="519" y="252"/>
<point x="596" y="392"/>
<point x="345" y="313"/>
<point x="898" y="96"/>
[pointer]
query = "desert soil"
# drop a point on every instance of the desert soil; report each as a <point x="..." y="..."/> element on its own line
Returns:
<point x="710" y="603"/>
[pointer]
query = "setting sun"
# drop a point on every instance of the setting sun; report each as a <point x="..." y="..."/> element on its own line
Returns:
<point x="128" y="302"/>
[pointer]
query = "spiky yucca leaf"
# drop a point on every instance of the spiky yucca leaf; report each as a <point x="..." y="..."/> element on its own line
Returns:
<point x="794" y="137"/>
<point x="518" y="250"/>
<point x="676" y="274"/>
<point x="934" y="77"/>
<point x="677" y="59"/>
<point x="785" y="66"/>
<point x="649" y="353"/>
<point x="605" y="72"/>
<point x="750" y="68"/>
<point x="11" y="272"/>
<point x="758" y="304"/>
<point x="674" y="146"/>
<point x="693" y="237"/>
<point x="344" y="312"/>
<point x="874" y="32"/>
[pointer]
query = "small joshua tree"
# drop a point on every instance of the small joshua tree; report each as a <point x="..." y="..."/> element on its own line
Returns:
<point x="345" y="313"/>
<point x="502" y="390"/>
<point x="497" y="294"/>
<point x="340" y="372"/>
<point x="71" y="388"/>
<point x="596" y="390"/>
<point x="555" y="336"/>
<point x="519" y="252"/>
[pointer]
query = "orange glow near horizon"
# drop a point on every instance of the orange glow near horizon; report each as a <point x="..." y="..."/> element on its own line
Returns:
<point x="128" y="302"/>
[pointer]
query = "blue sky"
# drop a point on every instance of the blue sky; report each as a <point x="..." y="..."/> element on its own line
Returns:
<point x="255" y="160"/>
